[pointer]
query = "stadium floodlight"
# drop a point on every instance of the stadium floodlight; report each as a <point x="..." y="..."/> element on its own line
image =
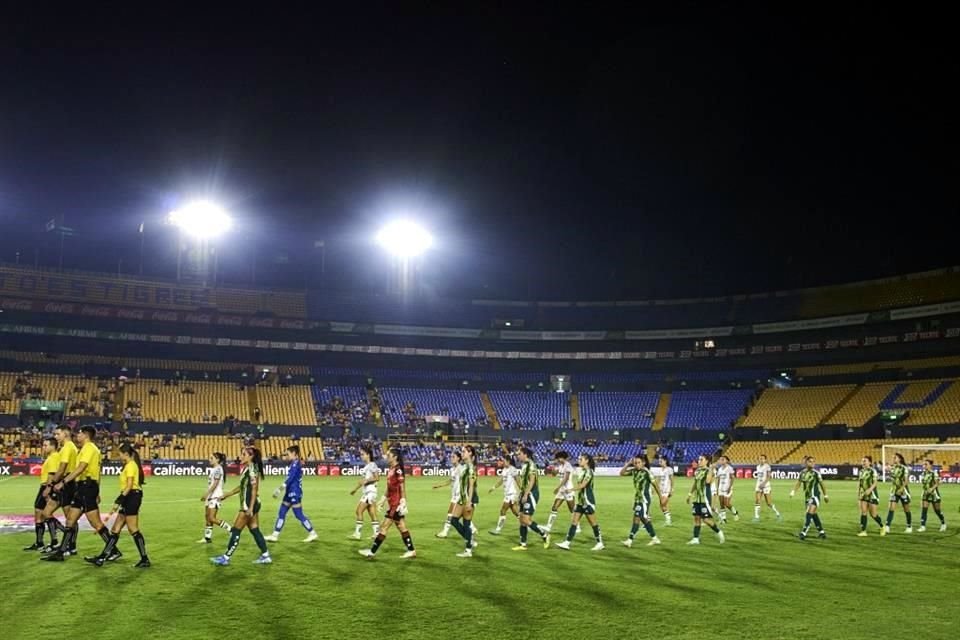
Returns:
<point x="404" y="239"/>
<point x="202" y="219"/>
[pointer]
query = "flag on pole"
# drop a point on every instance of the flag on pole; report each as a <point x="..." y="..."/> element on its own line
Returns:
<point x="51" y="224"/>
<point x="140" y="230"/>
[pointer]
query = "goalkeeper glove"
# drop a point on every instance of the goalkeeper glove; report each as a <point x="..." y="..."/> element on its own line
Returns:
<point x="278" y="492"/>
<point x="402" y="509"/>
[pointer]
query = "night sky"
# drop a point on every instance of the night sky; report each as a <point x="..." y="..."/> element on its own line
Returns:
<point x="555" y="155"/>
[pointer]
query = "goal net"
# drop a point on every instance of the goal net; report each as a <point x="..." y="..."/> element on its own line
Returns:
<point x="942" y="455"/>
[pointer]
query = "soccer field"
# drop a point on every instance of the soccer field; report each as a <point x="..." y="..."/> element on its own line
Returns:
<point x="763" y="582"/>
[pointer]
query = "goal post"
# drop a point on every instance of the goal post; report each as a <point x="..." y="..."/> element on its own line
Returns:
<point x="920" y="451"/>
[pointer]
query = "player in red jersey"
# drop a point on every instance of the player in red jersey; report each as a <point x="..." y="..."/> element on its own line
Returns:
<point x="396" y="499"/>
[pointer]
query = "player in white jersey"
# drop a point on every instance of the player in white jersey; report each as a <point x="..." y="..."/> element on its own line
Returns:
<point x="666" y="488"/>
<point x="456" y="470"/>
<point x="725" y="475"/>
<point x="369" y="477"/>
<point x="511" y="492"/>
<point x="216" y="478"/>
<point x="564" y="491"/>
<point x="764" y="489"/>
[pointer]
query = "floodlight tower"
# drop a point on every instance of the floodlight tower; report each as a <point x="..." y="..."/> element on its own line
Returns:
<point x="201" y="221"/>
<point x="405" y="241"/>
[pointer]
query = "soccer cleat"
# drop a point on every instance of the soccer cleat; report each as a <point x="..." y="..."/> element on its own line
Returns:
<point x="519" y="547"/>
<point x="310" y="538"/>
<point x="443" y="534"/>
<point x="694" y="541"/>
<point x="736" y="517"/>
<point x="546" y="541"/>
<point x="263" y="559"/>
<point x="273" y="537"/>
<point x="779" y="518"/>
<point x="883" y="531"/>
<point x="466" y="553"/>
<point x="366" y="553"/>
<point x="627" y="543"/>
<point x="565" y="545"/>
<point x="755" y="520"/>
<point x="143" y="564"/>
<point x="355" y="536"/>
<point x="114" y="556"/>
<point x="33" y="547"/>
<point x="56" y="556"/>
<point x="494" y="532"/>
<point x="908" y="530"/>
<point x="943" y="527"/>
<point x="221" y="561"/>
<point x="598" y="547"/>
<point x="50" y="548"/>
<point x="204" y="540"/>
<point x="886" y="528"/>
<point x="862" y="534"/>
<point x="96" y="561"/>
<point x="921" y="529"/>
<point x="802" y="535"/>
<point x="70" y="552"/>
<point x="413" y="554"/>
<point x="722" y="538"/>
<point x="654" y="541"/>
<point x="822" y="535"/>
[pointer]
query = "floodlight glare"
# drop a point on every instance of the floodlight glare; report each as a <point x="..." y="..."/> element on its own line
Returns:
<point x="202" y="219"/>
<point x="404" y="239"/>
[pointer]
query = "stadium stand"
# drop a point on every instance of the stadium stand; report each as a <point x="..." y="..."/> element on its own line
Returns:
<point x="531" y="409"/>
<point x="399" y="404"/>
<point x="617" y="410"/>
<point x="83" y="396"/>
<point x="795" y="408"/>
<point x="36" y="357"/>
<point x="746" y="452"/>
<point x="192" y="401"/>
<point x="291" y="405"/>
<point x="706" y="409"/>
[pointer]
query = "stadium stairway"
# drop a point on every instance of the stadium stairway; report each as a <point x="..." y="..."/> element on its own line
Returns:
<point x="120" y="403"/>
<point x="575" y="412"/>
<point x="787" y="455"/>
<point x="253" y="400"/>
<point x="489" y="409"/>
<point x="840" y="405"/>
<point x="663" y="407"/>
<point x="373" y="401"/>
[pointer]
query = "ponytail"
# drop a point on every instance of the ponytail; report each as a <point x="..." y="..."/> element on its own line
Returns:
<point x="398" y="454"/>
<point x="129" y="449"/>
<point x="590" y="461"/>
<point x="222" y="461"/>
<point x="256" y="459"/>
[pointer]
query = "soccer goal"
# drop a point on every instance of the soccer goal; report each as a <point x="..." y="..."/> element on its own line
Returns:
<point x="914" y="453"/>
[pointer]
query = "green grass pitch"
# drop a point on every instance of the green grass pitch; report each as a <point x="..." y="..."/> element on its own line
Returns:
<point x="762" y="583"/>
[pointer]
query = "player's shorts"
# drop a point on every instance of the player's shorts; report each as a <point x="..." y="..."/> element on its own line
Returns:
<point x="66" y="494"/>
<point x="256" y="506"/>
<point x="902" y="498"/>
<point x="813" y="501"/>
<point x="130" y="505"/>
<point x="872" y="498"/>
<point x="764" y="489"/>
<point x="566" y="496"/>
<point x="701" y="509"/>
<point x="40" y="503"/>
<point x="529" y="507"/>
<point x="585" y="509"/>
<point x="393" y="514"/>
<point x="725" y="492"/>
<point x="368" y="498"/>
<point x="213" y="502"/>
<point x="86" y="496"/>
<point x="932" y="498"/>
<point x="455" y="498"/>
<point x="510" y="498"/>
<point x="293" y="498"/>
<point x="641" y="510"/>
<point x="475" y="500"/>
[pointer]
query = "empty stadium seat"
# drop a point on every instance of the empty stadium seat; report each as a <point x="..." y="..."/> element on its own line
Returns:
<point x="616" y="409"/>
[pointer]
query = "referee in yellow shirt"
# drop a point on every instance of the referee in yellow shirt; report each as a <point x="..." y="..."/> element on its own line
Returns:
<point x="85" y="498"/>
<point x="127" y="508"/>
<point x="48" y="474"/>
<point x="61" y="499"/>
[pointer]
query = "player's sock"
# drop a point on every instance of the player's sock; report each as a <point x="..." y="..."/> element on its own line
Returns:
<point x="141" y="544"/>
<point x="816" y="521"/>
<point x="571" y="533"/>
<point x="649" y="527"/>
<point x="633" y="530"/>
<point x="377" y="542"/>
<point x="537" y="530"/>
<point x="696" y="532"/>
<point x="939" y="513"/>
<point x="104" y="533"/>
<point x="234" y="542"/>
<point x="500" y="522"/>
<point x="112" y="540"/>
<point x="304" y="520"/>
<point x="714" y="527"/>
<point x="358" y="527"/>
<point x="457" y="526"/>
<point x="878" y="520"/>
<point x="38" y="529"/>
<point x="281" y="518"/>
<point x="467" y="533"/>
<point x="909" y="518"/>
<point x="376" y="529"/>
<point x="889" y="517"/>
<point x="596" y="533"/>
<point x="69" y="538"/>
<point x="551" y="519"/>
<point x="53" y="525"/>
<point x="523" y="534"/>
<point x="734" y="511"/>
<point x="667" y="517"/>
<point x="774" y="507"/>
<point x="224" y="525"/>
<point x="863" y="523"/>
<point x="207" y="532"/>
<point x="258" y="537"/>
<point x="806" y="523"/>
<point x="448" y="524"/>
<point x="723" y="515"/>
<point x="923" y="517"/>
<point x="756" y="511"/>
<point x="407" y="540"/>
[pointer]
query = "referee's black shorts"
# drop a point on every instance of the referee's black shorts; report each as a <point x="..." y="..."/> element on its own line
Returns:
<point x="40" y="503"/>
<point x="130" y="505"/>
<point x="86" y="498"/>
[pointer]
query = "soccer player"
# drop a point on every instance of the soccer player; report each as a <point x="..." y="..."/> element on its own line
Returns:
<point x="456" y="468"/>
<point x="564" y="491"/>
<point x="249" y="515"/>
<point x="763" y="489"/>
<point x="529" y="495"/>
<point x="726" y="475"/>
<point x="511" y="492"/>
<point x="369" y="477"/>
<point x="813" y="489"/>
<point x="642" y="481"/>
<point x="468" y="501"/>
<point x="48" y="474"/>
<point x="396" y="500"/>
<point x="586" y="503"/>
<point x="666" y="488"/>
<point x="292" y="492"/>
<point x="126" y="508"/>
<point x="700" y="494"/>
<point x="867" y="494"/>
<point x="86" y="497"/>
<point x="900" y="491"/>
<point x="216" y="479"/>
<point x="61" y="499"/>
<point x="930" y="481"/>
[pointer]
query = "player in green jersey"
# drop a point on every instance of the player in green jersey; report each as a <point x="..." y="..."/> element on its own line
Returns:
<point x="529" y="495"/>
<point x="467" y="502"/>
<point x="642" y="481"/>
<point x="867" y="494"/>
<point x="248" y="487"/>
<point x="585" y="503"/>
<point x="900" y="491"/>
<point x="700" y="495"/>
<point x="930" y="481"/>
<point x="813" y="490"/>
